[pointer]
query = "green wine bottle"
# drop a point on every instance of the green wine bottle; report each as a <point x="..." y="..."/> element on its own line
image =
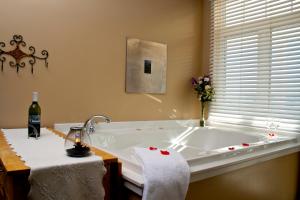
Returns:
<point x="34" y="117"/>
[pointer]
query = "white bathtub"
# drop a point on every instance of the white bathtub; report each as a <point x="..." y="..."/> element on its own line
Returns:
<point x="209" y="151"/>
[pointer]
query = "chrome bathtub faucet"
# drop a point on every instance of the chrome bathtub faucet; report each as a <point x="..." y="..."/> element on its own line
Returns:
<point x="89" y="125"/>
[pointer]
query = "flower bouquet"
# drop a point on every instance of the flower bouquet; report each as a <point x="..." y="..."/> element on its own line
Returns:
<point x="205" y="92"/>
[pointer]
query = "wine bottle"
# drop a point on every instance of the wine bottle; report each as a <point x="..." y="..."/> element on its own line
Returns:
<point x="34" y="117"/>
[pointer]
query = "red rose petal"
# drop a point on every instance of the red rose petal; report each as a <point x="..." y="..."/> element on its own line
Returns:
<point x="246" y="144"/>
<point x="152" y="148"/>
<point x="166" y="153"/>
<point x="231" y="148"/>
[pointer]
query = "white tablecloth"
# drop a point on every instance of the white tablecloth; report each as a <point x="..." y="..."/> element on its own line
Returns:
<point x="53" y="174"/>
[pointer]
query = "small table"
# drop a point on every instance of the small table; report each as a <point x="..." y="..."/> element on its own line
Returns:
<point x="14" y="173"/>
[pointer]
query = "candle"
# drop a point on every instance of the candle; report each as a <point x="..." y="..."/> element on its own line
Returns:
<point x="77" y="140"/>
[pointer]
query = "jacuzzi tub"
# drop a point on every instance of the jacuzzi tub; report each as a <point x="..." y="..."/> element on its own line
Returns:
<point x="209" y="150"/>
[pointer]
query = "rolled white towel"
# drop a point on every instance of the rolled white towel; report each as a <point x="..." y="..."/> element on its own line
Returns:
<point x="166" y="174"/>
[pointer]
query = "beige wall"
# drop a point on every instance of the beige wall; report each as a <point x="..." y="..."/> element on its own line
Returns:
<point x="206" y="18"/>
<point x="277" y="179"/>
<point x="86" y="41"/>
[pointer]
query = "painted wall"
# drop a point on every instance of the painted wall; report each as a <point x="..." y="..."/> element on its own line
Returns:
<point x="86" y="41"/>
<point x="206" y="19"/>
<point x="277" y="179"/>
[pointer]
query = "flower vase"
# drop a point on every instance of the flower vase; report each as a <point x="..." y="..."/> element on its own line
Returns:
<point x="202" y="119"/>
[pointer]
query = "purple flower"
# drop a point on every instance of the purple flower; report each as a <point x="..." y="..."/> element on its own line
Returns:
<point x="194" y="81"/>
<point x="202" y="85"/>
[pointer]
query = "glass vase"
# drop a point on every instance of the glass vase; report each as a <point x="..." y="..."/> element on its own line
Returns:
<point x="202" y="118"/>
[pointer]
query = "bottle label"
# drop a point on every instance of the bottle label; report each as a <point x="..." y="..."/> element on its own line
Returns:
<point x="35" y="119"/>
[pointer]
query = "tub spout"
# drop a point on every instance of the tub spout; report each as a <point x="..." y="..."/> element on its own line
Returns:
<point x="89" y="125"/>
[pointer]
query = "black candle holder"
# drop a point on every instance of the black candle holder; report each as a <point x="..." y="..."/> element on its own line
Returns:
<point x="76" y="143"/>
<point x="78" y="150"/>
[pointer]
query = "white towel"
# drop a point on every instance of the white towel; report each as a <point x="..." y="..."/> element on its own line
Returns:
<point x="53" y="174"/>
<point x="166" y="177"/>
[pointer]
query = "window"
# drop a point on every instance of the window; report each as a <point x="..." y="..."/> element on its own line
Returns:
<point x="255" y="62"/>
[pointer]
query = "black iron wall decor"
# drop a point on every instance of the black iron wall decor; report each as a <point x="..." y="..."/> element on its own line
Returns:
<point x="20" y="55"/>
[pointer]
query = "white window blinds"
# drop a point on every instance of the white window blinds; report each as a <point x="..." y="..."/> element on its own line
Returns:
<point x="255" y="62"/>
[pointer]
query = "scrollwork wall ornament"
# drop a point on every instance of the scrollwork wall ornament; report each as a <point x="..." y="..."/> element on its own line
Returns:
<point x="19" y="56"/>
